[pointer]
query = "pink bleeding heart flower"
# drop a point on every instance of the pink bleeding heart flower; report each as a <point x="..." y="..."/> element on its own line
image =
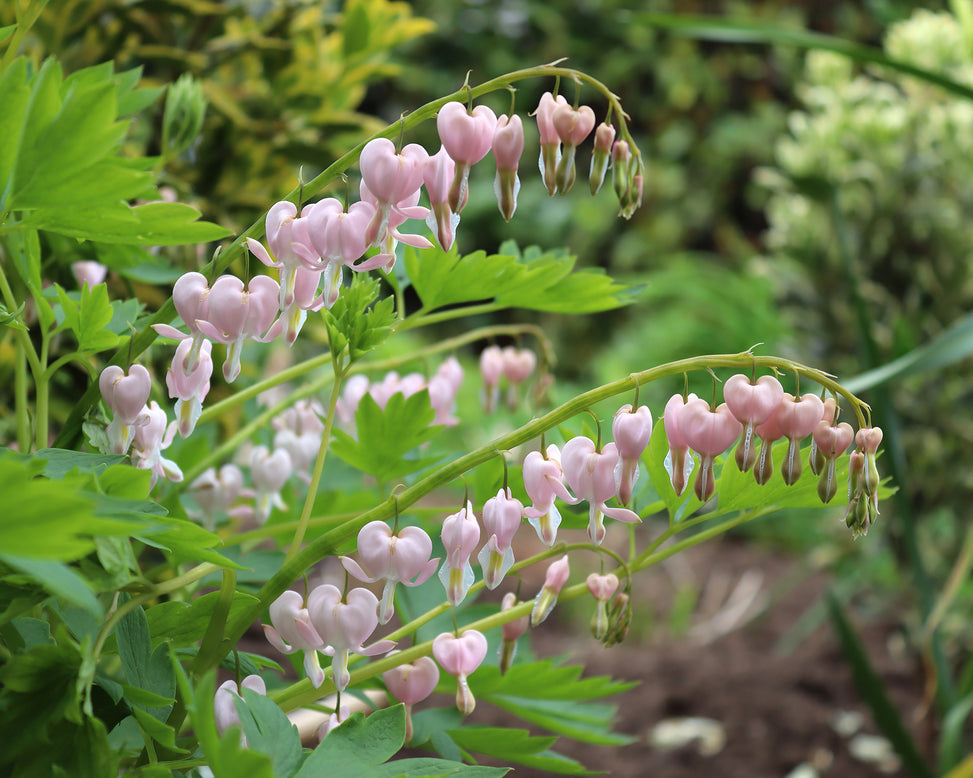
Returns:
<point x="189" y="388"/>
<point x="224" y="705"/>
<point x="602" y="588"/>
<point x="301" y="448"/>
<point x="511" y="632"/>
<point x="238" y="313"/>
<point x="125" y="394"/>
<point x="190" y="295"/>
<point x="831" y="442"/>
<point x="518" y="365"/>
<point x="437" y="175"/>
<point x="410" y="683"/>
<point x="391" y="177"/>
<point x="151" y="438"/>
<point x="796" y="419"/>
<point x="508" y="146"/>
<point x="572" y="125"/>
<point x="868" y="439"/>
<point x="281" y="234"/>
<point x="550" y="140"/>
<point x="402" y="558"/>
<point x="402" y="211"/>
<point x="591" y="476"/>
<point x="677" y="464"/>
<point x="543" y="481"/>
<point x="336" y="718"/>
<point x="460" y="535"/>
<point x="768" y="433"/>
<point x="709" y="433"/>
<point x="215" y="492"/>
<point x="752" y="404"/>
<point x="344" y="624"/>
<point x="460" y="657"/>
<point x="339" y="237"/>
<point x="600" y="156"/>
<point x="443" y="388"/>
<point x="491" y="368"/>
<point x="554" y="580"/>
<point x="502" y="515"/>
<point x="291" y="631"/>
<point x="467" y="138"/>
<point x="88" y="272"/>
<point x="269" y="471"/>
<point x="631" y="430"/>
<point x="830" y="415"/>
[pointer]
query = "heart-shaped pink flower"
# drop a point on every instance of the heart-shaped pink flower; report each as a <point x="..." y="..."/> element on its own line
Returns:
<point x="460" y="656"/>
<point x="709" y="433"/>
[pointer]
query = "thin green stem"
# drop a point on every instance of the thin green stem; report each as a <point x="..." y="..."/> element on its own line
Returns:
<point x="42" y="390"/>
<point x="20" y="398"/>
<point x="312" y="490"/>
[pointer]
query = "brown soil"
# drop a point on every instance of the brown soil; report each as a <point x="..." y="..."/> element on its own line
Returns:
<point x="775" y="691"/>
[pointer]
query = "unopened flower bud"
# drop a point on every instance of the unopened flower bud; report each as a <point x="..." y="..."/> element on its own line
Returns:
<point x="604" y="138"/>
<point x="511" y="632"/>
<point x="460" y="656"/>
<point x="572" y="125"/>
<point x="546" y="599"/>
<point x="619" y="617"/>
<point x="602" y="588"/>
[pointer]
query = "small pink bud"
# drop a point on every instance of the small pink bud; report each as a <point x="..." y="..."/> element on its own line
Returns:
<point x="602" y="588"/>
<point x="511" y="632"/>
<point x="554" y="580"/>
<point x="224" y="707"/>
<point x="460" y="657"/>
<point x="88" y="272"/>
<point x="572" y="126"/>
<point x="491" y="368"/>
<point x="550" y="140"/>
<point x="604" y="138"/>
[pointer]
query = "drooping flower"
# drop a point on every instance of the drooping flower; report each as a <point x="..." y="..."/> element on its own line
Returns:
<point x="467" y="137"/>
<point x="572" y="125"/>
<point x="460" y="656"/>
<point x="437" y="175"/>
<point x="518" y="365"/>
<point x="237" y="313"/>
<point x="554" y="580"/>
<point x="344" y="624"/>
<point x="796" y="419"/>
<point x="215" y="492"/>
<point x="224" y="707"/>
<point x="501" y="520"/>
<point x="677" y="464"/>
<point x="189" y="388"/>
<point x="291" y="631"/>
<point x="510" y="632"/>
<point x="543" y="481"/>
<point x="600" y="156"/>
<point x="508" y="146"/>
<point x="491" y="368"/>
<point x="126" y="395"/>
<point x="550" y="140"/>
<point x="269" y="471"/>
<point x="88" y="272"/>
<point x="190" y="295"/>
<point x="830" y="415"/>
<point x="402" y="558"/>
<point x="150" y="439"/>
<point x="868" y="439"/>
<point x="831" y="442"/>
<point x="602" y="588"/>
<point x="443" y="388"/>
<point x="591" y="475"/>
<point x="752" y="404"/>
<point x="391" y="177"/>
<point x="460" y="535"/>
<point x="401" y="212"/>
<point x="709" y="433"/>
<point x="631" y="430"/>
<point x="411" y="682"/>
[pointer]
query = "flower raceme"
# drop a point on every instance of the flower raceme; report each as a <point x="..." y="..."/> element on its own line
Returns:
<point x="392" y="558"/>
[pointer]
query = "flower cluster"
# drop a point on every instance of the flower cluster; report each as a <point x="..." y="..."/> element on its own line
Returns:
<point x="762" y="411"/>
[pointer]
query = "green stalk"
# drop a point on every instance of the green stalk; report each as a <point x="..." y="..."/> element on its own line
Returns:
<point x="312" y="490"/>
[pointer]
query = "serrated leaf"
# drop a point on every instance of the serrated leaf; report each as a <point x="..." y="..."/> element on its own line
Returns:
<point x="445" y="278"/>
<point x="58" y="462"/>
<point x="145" y="668"/>
<point x="157" y="730"/>
<point x="386" y="436"/>
<point x="358" y="746"/>
<point x="356" y="321"/>
<point x="181" y="624"/>
<point x="89" y="318"/>
<point x="15" y="96"/>
<point x="270" y="732"/>
<point x="516" y="745"/>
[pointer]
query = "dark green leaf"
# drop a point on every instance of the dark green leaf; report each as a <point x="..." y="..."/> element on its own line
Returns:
<point x="444" y="278"/>
<point x="58" y="462"/>
<point x="15" y="96"/>
<point x="144" y="668"/>
<point x="358" y="746"/>
<point x="89" y="319"/>
<point x="356" y="29"/>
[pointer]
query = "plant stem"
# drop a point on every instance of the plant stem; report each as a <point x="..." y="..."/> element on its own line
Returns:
<point x="312" y="490"/>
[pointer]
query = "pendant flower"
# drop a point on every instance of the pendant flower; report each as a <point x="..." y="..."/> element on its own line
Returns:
<point x="591" y="476"/>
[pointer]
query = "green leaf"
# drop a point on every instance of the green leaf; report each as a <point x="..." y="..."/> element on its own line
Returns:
<point x="58" y="579"/>
<point x="270" y="732"/>
<point x="385" y="437"/>
<point x="356" y="29"/>
<point x="58" y="462"/>
<point x="157" y="730"/>
<point x="355" y="322"/>
<point x="358" y="746"/>
<point x="181" y="624"/>
<point x="144" y="668"/>
<point x="15" y="96"/>
<point x="516" y="745"/>
<point x="556" y="698"/>
<point x="872" y="690"/>
<point x="444" y="278"/>
<point x="89" y="319"/>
